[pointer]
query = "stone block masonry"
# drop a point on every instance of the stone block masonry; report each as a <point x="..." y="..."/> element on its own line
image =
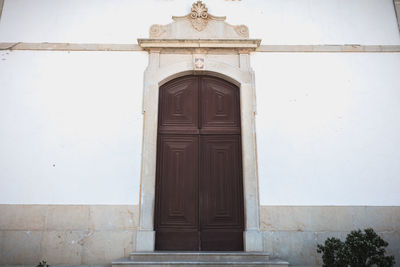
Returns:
<point x="100" y="234"/>
<point x="293" y="232"/>
<point x="66" y="234"/>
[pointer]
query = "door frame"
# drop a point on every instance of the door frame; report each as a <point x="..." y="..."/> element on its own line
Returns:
<point x="232" y="65"/>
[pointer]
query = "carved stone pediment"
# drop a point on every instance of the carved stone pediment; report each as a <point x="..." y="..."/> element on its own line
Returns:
<point x="199" y="24"/>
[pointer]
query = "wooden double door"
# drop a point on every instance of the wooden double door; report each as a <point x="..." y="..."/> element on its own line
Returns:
<point x="199" y="191"/>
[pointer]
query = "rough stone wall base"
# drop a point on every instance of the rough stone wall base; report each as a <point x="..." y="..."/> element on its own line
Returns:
<point x="66" y="234"/>
<point x="72" y="235"/>
<point x="293" y="232"/>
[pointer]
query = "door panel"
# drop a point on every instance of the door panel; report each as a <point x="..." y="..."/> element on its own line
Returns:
<point x="220" y="186"/>
<point x="179" y="106"/>
<point x="220" y="110"/>
<point x="177" y="239"/>
<point x="221" y="194"/>
<point x="199" y="191"/>
<point x="222" y="240"/>
<point x="177" y="205"/>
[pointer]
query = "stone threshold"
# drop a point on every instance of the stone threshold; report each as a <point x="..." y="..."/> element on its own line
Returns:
<point x="5" y="265"/>
<point x="34" y="265"/>
<point x="323" y="48"/>
<point x="200" y="258"/>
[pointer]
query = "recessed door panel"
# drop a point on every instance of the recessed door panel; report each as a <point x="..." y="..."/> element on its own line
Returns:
<point x="220" y="110"/>
<point x="177" y="191"/>
<point x="179" y="106"/>
<point x="221" y="206"/>
<point x="220" y="185"/>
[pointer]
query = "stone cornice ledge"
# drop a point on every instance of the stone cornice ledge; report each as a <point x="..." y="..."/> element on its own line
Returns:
<point x="248" y="44"/>
<point x="328" y="48"/>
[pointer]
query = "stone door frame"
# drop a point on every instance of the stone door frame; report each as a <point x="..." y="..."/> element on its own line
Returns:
<point x="199" y="44"/>
<point x="179" y="64"/>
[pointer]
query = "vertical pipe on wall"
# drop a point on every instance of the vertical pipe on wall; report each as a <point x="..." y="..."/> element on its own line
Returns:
<point x="396" y="4"/>
<point x="1" y="7"/>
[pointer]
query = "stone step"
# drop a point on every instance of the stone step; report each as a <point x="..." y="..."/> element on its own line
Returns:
<point x="201" y="256"/>
<point x="196" y="259"/>
<point x="129" y="263"/>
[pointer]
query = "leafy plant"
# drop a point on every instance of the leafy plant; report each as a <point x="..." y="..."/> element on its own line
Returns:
<point x="42" y="264"/>
<point x="359" y="250"/>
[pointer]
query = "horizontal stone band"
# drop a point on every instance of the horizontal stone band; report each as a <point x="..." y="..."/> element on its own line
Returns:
<point x="261" y="48"/>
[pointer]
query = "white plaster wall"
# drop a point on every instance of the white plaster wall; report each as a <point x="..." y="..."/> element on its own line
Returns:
<point x="327" y="124"/>
<point x="70" y="127"/>
<point x="274" y="21"/>
<point x="328" y="128"/>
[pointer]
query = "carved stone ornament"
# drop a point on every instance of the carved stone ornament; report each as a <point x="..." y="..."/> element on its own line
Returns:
<point x="199" y="63"/>
<point x="242" y="30"/>
<point x="199" y="16"/>
<point x="199" y="24"/>
<point x="157" y="30"/>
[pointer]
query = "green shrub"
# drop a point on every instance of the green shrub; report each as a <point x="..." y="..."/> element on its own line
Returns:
<point x="359" y="250"/>
<point x="42" y="264"/>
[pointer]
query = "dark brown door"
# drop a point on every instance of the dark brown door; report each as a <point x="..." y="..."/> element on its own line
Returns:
<point x="199" y="191"/>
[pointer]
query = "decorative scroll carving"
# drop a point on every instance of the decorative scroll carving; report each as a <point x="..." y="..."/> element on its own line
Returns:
<point x="157" y="30"/>
<point x="199" y="24"/>
<point x="242" y="30"/>
<point x="199" y="10"/>
<point x="199" y="16"/>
